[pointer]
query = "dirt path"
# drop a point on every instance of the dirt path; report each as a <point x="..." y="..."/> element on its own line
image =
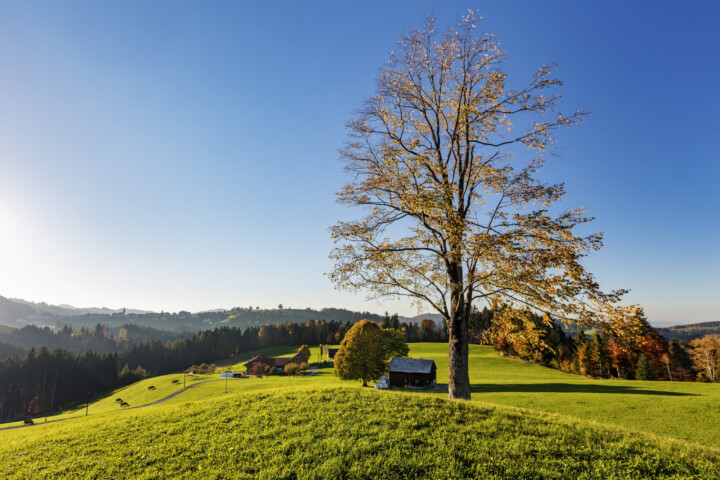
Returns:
<point x="172" y="395"/>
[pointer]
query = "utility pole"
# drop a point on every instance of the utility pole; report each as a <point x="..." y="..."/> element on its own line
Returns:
<point x="87" y="404"/>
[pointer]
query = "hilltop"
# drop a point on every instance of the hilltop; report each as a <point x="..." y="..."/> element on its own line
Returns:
<point x="344" y="433"/>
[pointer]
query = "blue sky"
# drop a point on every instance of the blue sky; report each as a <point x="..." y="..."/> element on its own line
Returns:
<point x="183" y="155"/>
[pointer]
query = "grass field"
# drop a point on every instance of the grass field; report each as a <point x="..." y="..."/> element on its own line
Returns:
<point x="341" y="432"/>
<point x="138" y="393"/>
<point x="689" y="412"/>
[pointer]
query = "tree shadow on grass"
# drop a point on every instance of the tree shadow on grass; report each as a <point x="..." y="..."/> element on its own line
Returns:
<point x="571" y="388"/>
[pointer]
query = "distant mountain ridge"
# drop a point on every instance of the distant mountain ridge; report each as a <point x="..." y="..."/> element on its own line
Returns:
<point x="18" y="312"/>
<point x="13" y="311"/>
<point x="43" y="308"/>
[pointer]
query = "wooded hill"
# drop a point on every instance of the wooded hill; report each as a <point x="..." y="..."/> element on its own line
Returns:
<point x="19" y="313"/>
<point x="690" y="332"/>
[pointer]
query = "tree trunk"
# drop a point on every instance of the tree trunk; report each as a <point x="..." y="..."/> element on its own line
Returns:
<point x="459" y="378"/>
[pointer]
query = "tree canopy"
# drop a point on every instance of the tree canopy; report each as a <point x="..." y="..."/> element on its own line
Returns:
<point x="304" y="350"/>
<point x="445" y="160"/>
<point x="366" y="350"/>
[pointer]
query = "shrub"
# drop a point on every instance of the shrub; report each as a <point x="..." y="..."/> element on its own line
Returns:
<point x="292" y="369"/>
<point x="258" y="370"/>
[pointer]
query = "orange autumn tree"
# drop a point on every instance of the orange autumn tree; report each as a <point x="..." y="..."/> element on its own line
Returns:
<point x="444" y="160"/>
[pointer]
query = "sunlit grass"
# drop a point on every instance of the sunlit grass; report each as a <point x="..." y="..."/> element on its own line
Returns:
<point x="342" y="432"/>
<point x="686" y="411"/>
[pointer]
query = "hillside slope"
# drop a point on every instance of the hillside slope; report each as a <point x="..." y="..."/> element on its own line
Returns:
<point x="682" y="410"/>
<point x="342" y="433"/>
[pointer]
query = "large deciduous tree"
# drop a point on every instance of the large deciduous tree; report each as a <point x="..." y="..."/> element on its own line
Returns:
<point x="361" y="353"/>
<point x="445" y="159"/>
<point x="366" y="351"/>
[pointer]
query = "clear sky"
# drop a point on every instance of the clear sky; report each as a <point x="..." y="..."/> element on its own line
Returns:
<point x="183" y="155"/>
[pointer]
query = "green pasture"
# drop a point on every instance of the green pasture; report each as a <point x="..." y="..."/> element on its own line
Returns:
<point x="685" y="411"/>
<point x="343" y="432"/>
<point x="682" y="410"/>
<point x="138" y="393"/>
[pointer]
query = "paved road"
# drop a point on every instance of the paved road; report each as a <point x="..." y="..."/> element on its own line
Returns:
<point x="124" y="409"/>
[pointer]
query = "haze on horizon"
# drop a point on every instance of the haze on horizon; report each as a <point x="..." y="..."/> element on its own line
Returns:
<point x="184" y="156"/>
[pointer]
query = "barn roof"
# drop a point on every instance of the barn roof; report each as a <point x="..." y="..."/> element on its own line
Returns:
<point x="411" y="365"/>
<point x="277" y="362"/>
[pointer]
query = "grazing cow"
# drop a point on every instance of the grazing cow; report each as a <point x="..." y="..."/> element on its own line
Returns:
<point x="28" y="421"/>
<point x="124" y="404"/>
<point x="151" y="387"/>
<point x="119" y="400"/>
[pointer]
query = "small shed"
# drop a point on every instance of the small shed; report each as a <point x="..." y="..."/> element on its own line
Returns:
<point x="412" y="372"/>
<point x="331" y="353"/>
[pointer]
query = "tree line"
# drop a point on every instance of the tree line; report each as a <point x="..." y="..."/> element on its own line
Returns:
<point x="637" y="355"/>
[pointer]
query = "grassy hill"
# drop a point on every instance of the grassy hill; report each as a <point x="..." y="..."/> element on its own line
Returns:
<point x="341" y="432"/>
<point x="635" y="429"/>
<point x="685" y="411"/>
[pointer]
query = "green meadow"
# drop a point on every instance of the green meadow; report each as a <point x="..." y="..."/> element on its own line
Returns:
<point x="685" y="411"/>
<point x="316" y="432"/>
<point x="682" y="410"/>
<point x="319" y="427"/>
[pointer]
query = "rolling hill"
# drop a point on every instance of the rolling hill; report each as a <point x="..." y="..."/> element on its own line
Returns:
<point x="341" y="432"/>
<point x="678" y="410"/>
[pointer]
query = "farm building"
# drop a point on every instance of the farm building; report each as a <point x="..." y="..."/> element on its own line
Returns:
<point x="331" y="353"/>
<point x="277" y="362"/>
<point x="412" y="372"/>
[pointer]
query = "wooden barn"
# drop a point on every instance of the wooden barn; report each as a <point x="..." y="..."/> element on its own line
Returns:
<point x="279" y="363"/>
<point x="412" y="372"/>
